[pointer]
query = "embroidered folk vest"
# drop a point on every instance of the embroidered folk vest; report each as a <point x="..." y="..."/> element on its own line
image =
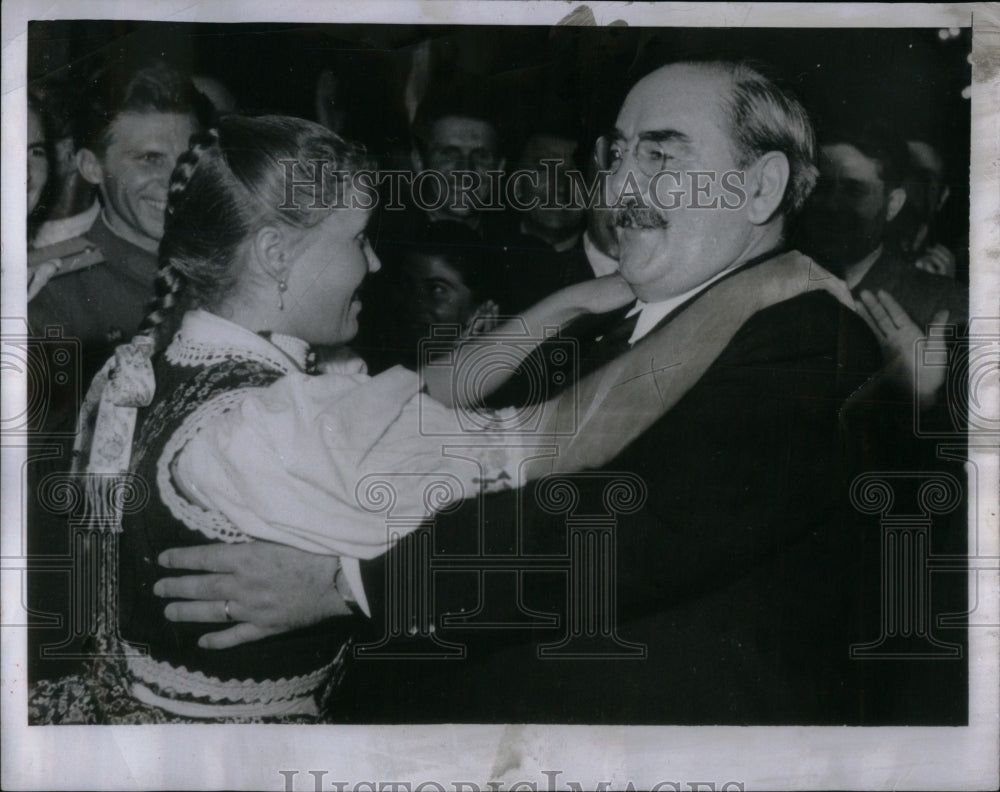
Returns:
<point x="262" y="677"/>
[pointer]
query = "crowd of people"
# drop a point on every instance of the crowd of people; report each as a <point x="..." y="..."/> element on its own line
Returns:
<point x="725" y="308"/>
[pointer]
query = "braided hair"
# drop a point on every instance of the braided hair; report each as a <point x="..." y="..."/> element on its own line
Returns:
<point x="232" y="181"/>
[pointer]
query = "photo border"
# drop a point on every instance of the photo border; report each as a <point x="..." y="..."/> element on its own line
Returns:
<point x="251" y="756"/>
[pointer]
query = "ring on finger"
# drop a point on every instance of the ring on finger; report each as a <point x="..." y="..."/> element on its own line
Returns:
<point x="228" y="612"/>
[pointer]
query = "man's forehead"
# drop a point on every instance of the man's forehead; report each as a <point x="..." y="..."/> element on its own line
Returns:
<point x="550" y="146"/>
<point x="843" y="159"/>
<point x="683" y="98"/>
<point x="151" y="128"/>
<point x="460" y="128"/>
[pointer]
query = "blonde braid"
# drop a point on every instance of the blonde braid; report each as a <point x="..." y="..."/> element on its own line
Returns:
<point x="161" y="319"/>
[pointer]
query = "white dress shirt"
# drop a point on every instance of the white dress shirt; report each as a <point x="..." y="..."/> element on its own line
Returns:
<point x="651" y="314"/>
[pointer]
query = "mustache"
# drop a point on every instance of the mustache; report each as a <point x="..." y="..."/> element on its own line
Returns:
<point x="638" y="217"/>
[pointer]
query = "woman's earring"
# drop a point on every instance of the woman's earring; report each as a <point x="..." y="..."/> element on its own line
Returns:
<point x="282" y="286"/>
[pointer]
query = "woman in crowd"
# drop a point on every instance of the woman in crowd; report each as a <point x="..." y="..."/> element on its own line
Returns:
<point x="443" y="278"/>
<point x="38" y="160"/>
<point x="231" y="435"/>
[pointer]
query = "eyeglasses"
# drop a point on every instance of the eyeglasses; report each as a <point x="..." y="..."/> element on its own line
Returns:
<point x="649" y="155"/>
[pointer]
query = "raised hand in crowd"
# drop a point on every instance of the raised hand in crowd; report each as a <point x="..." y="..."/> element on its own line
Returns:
<point x="899" y="336"/>
<point x="937" y="260"/>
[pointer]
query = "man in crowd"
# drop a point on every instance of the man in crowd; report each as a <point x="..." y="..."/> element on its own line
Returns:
<point x="544" y="254"/>
<point x="56" y="241"/>
<point x="455" y="134"/>
<point x="456" y="148"/>
<point x="74" y="205"/>
<point x="131" y="132"/>
<point x="555" y="212"/>
<point x="923" y="230"/>
<point x="847" y="221"/>
<point x="734" y="593"/>
<point x="848" y="227"/>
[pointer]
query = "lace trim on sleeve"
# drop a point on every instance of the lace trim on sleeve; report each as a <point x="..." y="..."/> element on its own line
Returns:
<point x="212" y="524"/>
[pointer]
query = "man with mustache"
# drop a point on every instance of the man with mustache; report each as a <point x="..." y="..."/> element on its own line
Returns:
<point x="731" y="588"/>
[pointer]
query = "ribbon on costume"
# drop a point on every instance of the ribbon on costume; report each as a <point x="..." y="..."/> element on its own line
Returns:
<point x="102" y="453"/>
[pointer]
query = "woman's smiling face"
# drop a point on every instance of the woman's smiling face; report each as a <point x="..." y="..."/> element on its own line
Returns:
<point x="328" y="265"/>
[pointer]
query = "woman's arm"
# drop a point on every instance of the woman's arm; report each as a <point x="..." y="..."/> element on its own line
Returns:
<point x="616" y="405"/>
<point x="555" y="311"/>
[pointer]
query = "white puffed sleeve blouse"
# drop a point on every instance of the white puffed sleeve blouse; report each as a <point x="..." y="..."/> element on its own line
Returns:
<point x="320" y="462"/>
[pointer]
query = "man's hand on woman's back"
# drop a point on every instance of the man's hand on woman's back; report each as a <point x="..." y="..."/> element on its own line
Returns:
<point x="265" y="588"/>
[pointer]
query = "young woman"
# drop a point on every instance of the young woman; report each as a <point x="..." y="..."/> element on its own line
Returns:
<point x="230" y="435"/>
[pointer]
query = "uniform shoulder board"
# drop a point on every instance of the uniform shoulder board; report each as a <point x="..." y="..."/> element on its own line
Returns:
<point x="66" y="256"/>
<point x="62" y="258"/>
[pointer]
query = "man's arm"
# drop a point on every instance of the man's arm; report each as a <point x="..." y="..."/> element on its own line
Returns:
<point x="746" y="463"/>
<point x="749" y="462"/>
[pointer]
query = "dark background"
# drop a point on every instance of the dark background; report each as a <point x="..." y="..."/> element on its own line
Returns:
<point x="909" y="79"/>
<point x="912" y="78"/>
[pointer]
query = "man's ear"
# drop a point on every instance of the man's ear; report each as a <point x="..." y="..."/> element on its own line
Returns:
<point x="416" y="160"/>
<point x="65" y="155"/>
<point x="896" y="200"/>
<point x="766" y="189"/>
<point x="943" y="198"/>
<point x="269" y="249"/>
<point x="89" y="166"/>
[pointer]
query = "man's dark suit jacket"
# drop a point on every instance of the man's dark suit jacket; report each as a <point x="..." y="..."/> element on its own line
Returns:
<point x="921" y="294"/>
<point x="746" y="574"/>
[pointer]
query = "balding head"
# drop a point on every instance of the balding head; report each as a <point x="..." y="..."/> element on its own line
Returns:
<point x="735" y="153"/>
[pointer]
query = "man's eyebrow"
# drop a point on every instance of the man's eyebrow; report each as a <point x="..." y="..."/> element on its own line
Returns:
<point x="665" y="136"/>
<point x="657" y="136"/>
<point x="438" y="281"/>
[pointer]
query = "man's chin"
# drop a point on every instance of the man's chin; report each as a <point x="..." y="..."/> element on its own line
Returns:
<point x="638" y="250"/>
<point x="459" y="216"/>
<point x="144" y="231"/>
<point x="152" y="227"/>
